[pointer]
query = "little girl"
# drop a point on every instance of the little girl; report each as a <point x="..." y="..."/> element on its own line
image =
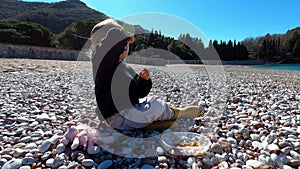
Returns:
<point x="118" y="87"/>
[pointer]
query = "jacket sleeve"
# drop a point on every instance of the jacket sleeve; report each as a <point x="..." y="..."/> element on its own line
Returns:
<point x="140" y="87"/>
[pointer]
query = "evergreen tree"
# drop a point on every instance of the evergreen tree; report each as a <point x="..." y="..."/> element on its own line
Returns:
<point x="296" y="48"/>
<point x="76" y="35"/>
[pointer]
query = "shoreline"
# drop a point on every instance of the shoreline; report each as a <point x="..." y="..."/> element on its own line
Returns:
<point x="271" y="66"/>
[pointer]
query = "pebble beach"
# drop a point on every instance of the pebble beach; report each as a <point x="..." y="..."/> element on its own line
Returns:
<point x="251" y="117"/>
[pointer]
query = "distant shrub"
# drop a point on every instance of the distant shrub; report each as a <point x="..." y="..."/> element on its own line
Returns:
<point x="21" y="32"/>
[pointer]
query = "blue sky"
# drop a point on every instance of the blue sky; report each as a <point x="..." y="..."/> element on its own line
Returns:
<point x="216" y="19"/>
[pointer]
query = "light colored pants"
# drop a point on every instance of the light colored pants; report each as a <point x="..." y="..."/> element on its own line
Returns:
<point x="141" y="115"/>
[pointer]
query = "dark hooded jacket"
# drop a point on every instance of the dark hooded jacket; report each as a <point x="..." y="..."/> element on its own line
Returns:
<point x="117" y="86"/>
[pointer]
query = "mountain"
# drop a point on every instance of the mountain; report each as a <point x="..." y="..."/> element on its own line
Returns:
<point x="55" y="16"/>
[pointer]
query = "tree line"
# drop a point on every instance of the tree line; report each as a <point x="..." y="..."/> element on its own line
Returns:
<point x="275" y="48"/>
<point x="77" y="34"/>
<point x="189" y="48"/>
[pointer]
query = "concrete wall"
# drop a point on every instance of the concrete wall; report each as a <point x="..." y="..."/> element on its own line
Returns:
<point x="157" y="61"/>
<point x="36" y="52"/>
<point x="240" y="62"/>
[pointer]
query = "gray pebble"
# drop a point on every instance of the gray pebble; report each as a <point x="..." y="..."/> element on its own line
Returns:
<point x="25" y="139"/>
<point x="223" y="165"/>
<point x="59" y="160"/>
<point x="60" y="148"/>
<point x="240" y="162"/>
<point x="296" y="145"/>
<point x="262" y="158"/>
<point x="269" y="160"/>
<point x="6" y="157"/>
<point x="246" y="167"/>
<point x="147" y="166"/>
<point x="44" y="146"/>
<point x="248" y="143"/>
<point x="19" y="152"/>
<point x="270" y="138"/>
<point x="54" y="139"/>
<point x="191" y="160"/>
<point x="223" y="157"/>
<point x="232" y="158"/>
<point x="58" y="132"/>
<point x="29" y="160"/>
<point x="208" y="162"/>
<point x="265" y="144"/>
<point x="245" y="131"/>
<point x="75" y="154"/>
<point x="160" y="151"/>
<point x="294" y="154"/>
<point x="240" y="155"/>
<point x="42" y="117"/>
<point x="278" y="160"/>
<point x="216" y="148"/>
<point x="49" y="162"/>
<point x="215" y="160"/>
<point x="25" y="167"/>
<point x="22" y="120"/>
<point x="257" y="144"/>
<point x="283" y="144"/>
<point x="286" y="150"/>
<point x="229" y="134"/>
<point x="46" y="155"/>
<point x="175" y="88"/>
<point x="12" y="164"/>
<point x="87" y="162"/>
<point x="138" y="162"/>
<point x="294" y="163"/>
<point x="232" y="140"/>
<point x="105" y="164"/>
<point x="72" y="164"/>
<point x="34" y="151"/>
<point x="272" y="148"/>
<point x="210" y="154"/>
<point x="255" y="137"/>
<point x="254" y="163"/>
<point x="36" y="134"/>
<point x="63" y="167"/>
<point x="31" y="146"/>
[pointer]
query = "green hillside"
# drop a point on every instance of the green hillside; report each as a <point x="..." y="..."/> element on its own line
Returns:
<point x="55" y="16"/>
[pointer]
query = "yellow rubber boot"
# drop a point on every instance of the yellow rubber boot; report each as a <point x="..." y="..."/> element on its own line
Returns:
<point x="189" y="112"/>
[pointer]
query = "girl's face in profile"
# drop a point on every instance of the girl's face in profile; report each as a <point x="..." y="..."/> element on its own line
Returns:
<point x="126" y="49"/>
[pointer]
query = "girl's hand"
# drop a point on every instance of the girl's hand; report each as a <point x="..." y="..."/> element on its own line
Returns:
<point x="131" y="40"/>
<point x="145" y="74"/>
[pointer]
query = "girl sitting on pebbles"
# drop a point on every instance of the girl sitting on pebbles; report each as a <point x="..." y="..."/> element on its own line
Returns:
<point x="119" y="88"/>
